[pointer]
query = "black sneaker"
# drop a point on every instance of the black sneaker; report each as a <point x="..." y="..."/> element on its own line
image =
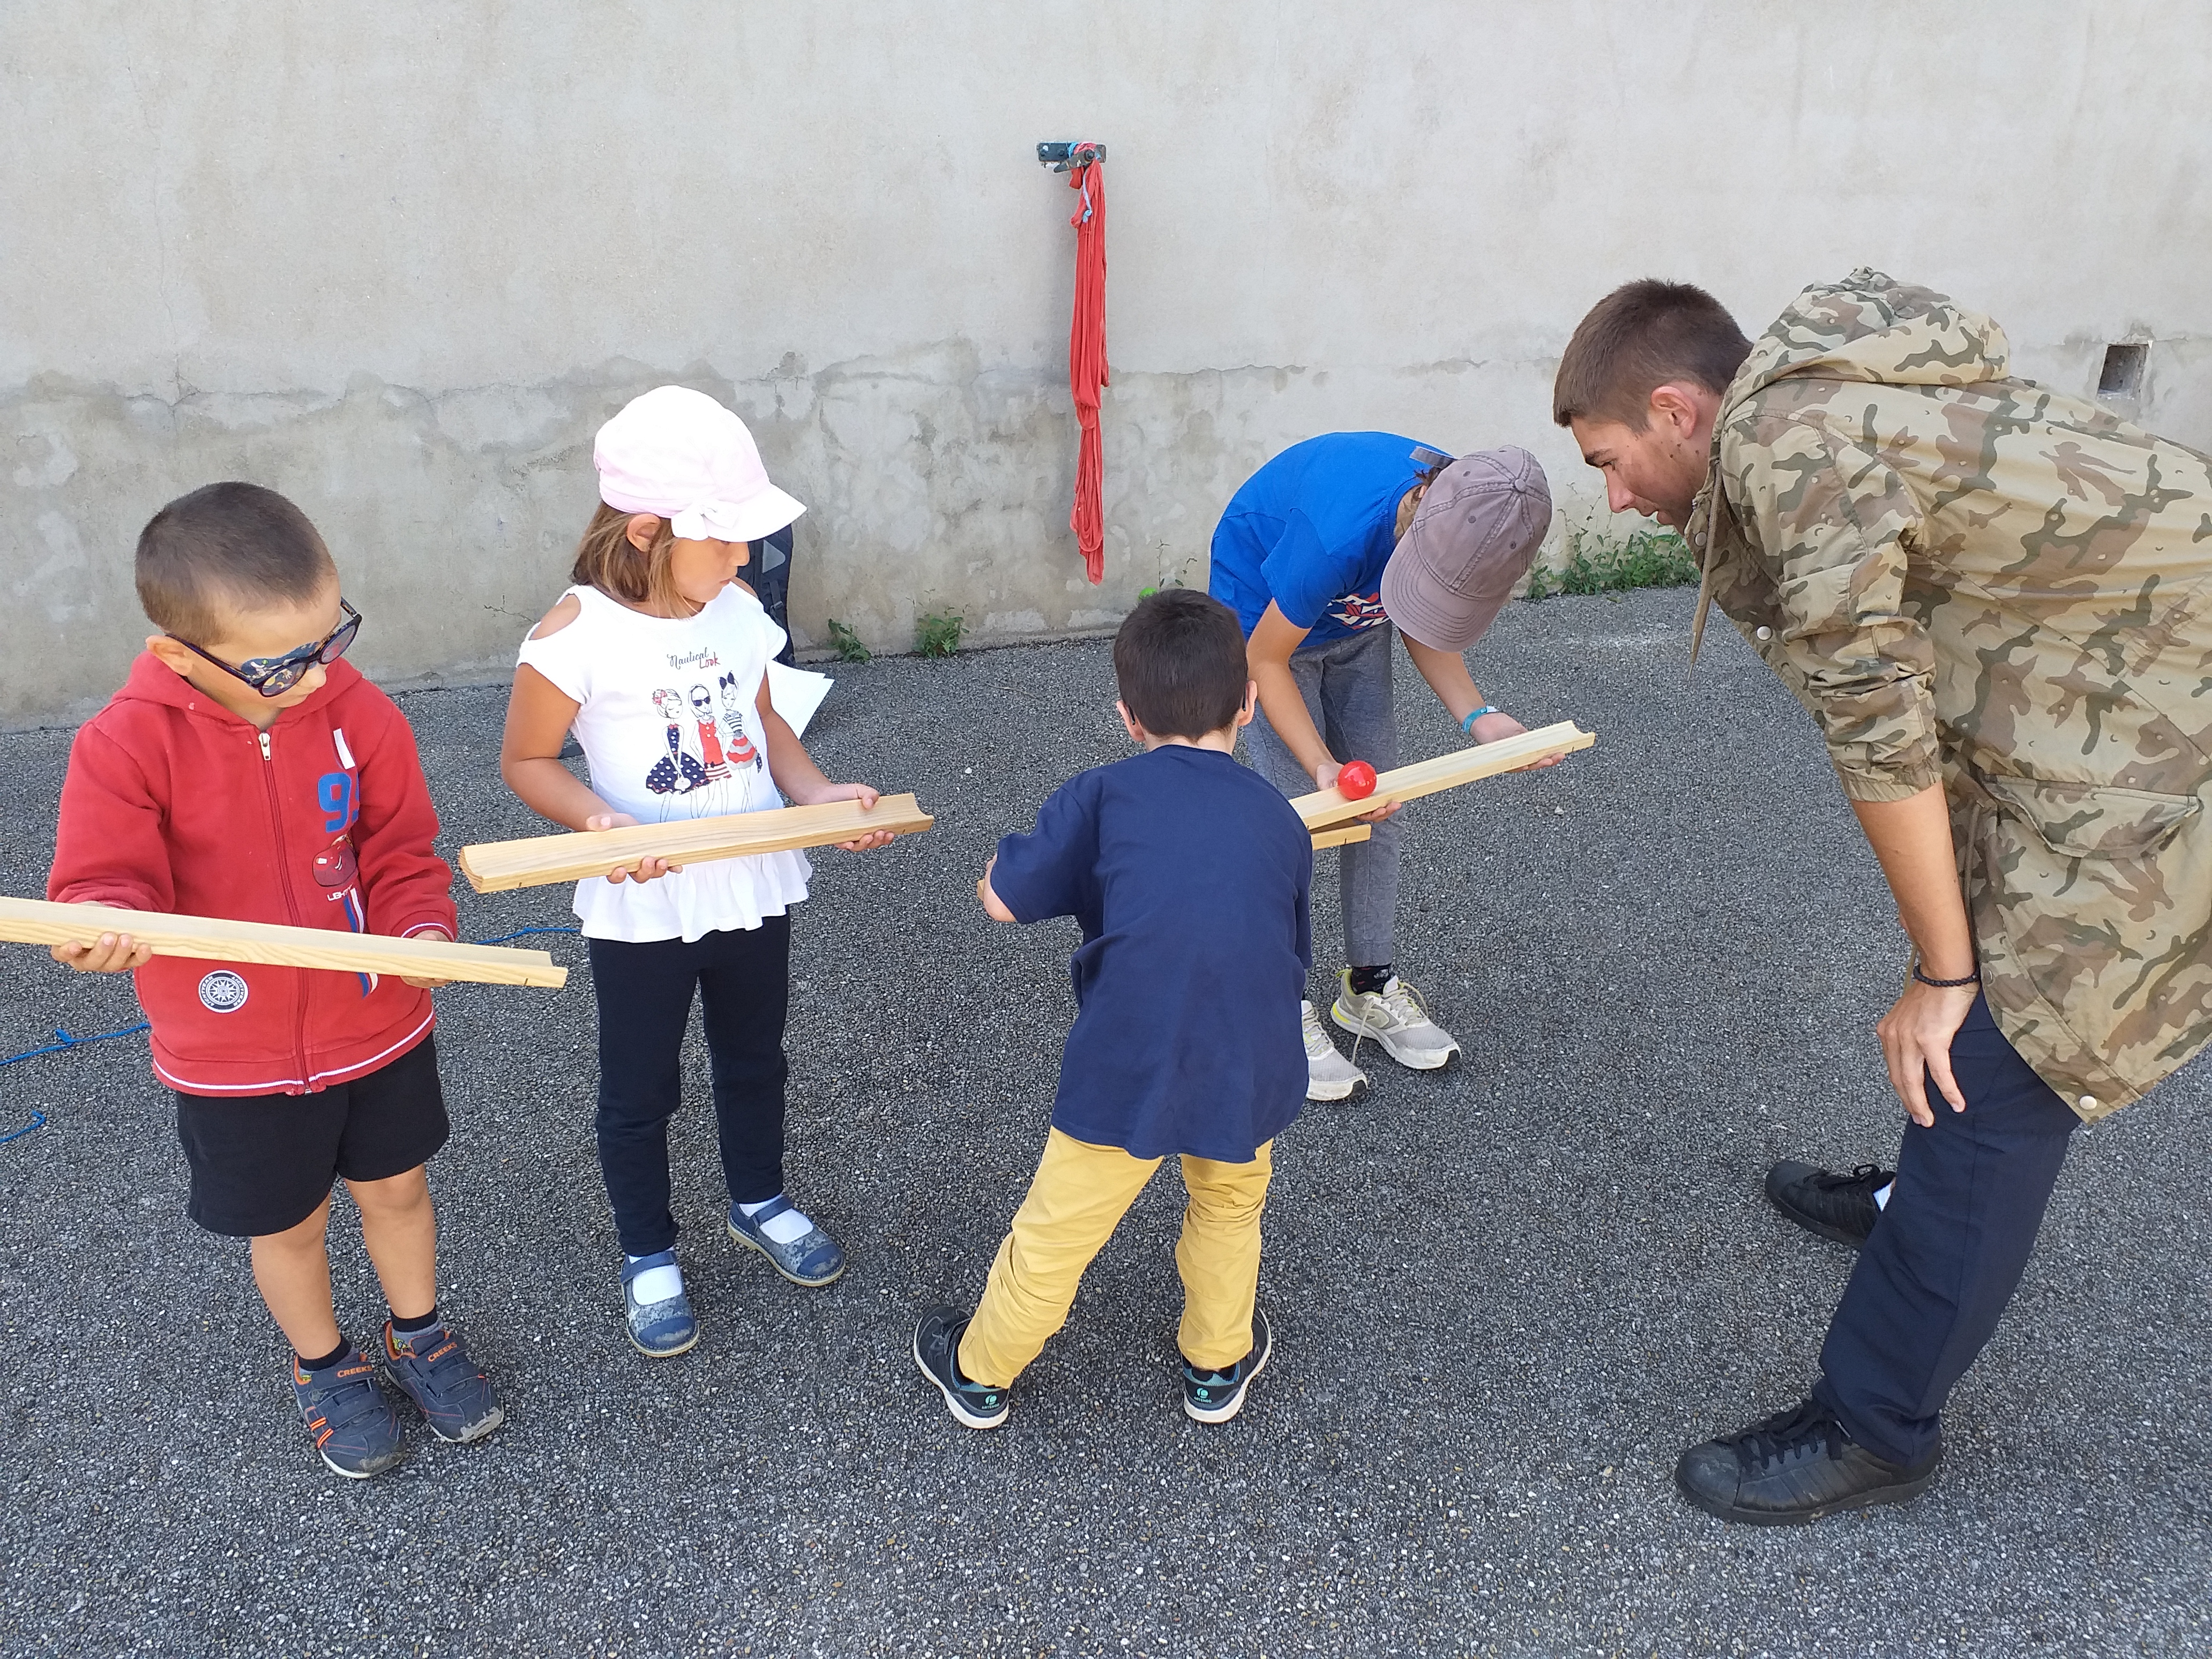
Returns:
<point x="937" y="1351"/>
<point x="1837" y="1207"/>
<point x="1216" y="1396"/>
<point x="1794" y="1467"/>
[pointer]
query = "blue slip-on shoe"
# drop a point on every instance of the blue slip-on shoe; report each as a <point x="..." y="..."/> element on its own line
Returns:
<point x="1216" y="1396"/>
<point x="812" y="1259"/>
<point x="433" y="1369"/>
<point x="659" y="1328"/>
<point x="353" y="1424"/>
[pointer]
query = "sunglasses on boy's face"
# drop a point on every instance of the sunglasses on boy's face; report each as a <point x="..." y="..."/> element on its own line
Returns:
<point x="272" y="677"/>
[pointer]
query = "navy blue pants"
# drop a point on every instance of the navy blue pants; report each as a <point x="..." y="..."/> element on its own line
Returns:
<point x="644" y="994"/>
<point x="1949" y="1252"/>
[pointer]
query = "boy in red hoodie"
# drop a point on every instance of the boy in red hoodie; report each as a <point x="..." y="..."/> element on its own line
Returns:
<point x="244" y="771"/>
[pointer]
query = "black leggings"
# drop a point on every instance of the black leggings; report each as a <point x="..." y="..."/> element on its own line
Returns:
<point x="644" y="996"/>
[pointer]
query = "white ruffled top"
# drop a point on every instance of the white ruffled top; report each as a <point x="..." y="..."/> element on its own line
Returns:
<point x="670" y="730"/>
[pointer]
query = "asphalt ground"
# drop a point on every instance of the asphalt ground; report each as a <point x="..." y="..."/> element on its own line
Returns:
<point x="1504" y="1295"/>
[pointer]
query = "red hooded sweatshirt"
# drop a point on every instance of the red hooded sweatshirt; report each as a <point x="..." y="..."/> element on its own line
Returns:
<point x="174" y="803"/>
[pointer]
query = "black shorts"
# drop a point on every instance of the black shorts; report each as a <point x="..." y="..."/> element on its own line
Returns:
<point x="261" y="1164"/>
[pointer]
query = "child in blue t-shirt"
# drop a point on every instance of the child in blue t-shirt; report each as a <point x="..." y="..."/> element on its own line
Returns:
<point x="1189" y="874"/>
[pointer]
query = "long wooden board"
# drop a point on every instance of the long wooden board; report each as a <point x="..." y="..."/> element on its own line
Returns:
<point x="1326" y="807"/>
<point x="217" y="938"/>
<point x="495" y="866"/>
<point x="1341" y="834"/>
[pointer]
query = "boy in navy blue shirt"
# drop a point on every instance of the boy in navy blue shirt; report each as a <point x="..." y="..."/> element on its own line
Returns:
<point x="1189" y="874"/>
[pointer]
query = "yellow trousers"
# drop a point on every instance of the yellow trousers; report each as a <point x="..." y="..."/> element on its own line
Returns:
<point x="1079" y="1196"/>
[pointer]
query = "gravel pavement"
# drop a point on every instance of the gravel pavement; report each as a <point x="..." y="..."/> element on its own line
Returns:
<point x="1504" y="1295"/>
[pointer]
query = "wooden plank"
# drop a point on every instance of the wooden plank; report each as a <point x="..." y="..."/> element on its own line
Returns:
<point x="218" y="938"/>
<point x="495" y="866"/>
<point x="1342" y="835"/>
<point x="1326" y="807"/>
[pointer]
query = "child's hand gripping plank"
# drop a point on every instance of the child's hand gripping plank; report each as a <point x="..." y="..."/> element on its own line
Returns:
<point x="119" y="953"/>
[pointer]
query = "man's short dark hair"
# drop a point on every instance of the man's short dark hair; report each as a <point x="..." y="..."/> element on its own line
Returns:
<point x="224" y="549"/>
<point x="1179" y="661"/>
<point x="1638" y="338"/>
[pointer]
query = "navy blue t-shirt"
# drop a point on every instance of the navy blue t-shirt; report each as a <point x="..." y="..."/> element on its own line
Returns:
<point x="1312" y="530"/>
<point x="1189" y="874"/>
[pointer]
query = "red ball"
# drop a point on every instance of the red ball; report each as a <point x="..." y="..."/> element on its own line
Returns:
<point x="1355" y="779"/>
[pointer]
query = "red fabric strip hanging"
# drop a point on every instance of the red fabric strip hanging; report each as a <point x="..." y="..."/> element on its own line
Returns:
<point x="1086" y="361"/>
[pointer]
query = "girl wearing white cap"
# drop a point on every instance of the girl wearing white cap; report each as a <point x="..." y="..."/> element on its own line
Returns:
<point x="657" y="659"/>
<point x="1319" y="553"/>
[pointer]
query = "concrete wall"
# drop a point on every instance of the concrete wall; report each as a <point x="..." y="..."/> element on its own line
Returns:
<point x="400" y="261"/>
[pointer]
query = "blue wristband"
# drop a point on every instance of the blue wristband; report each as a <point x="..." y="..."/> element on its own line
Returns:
<point x="1467" y="725"/>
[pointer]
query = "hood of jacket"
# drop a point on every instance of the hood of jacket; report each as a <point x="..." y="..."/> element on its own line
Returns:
<point x="152" y="680"/>
<point x="1868" y="327"/>
<point x="1871" y="327"/>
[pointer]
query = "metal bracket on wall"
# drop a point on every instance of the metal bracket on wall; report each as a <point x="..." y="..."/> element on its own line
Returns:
<point x="1063" y="157"/>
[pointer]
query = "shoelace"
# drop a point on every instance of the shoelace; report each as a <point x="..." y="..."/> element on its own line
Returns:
<point x="1316" y="1039"/>
<point x="1785" y="1434"/>
<point x="1405" y="1005"/>
<point x="1398" y="1000"/>
<point x="1871" y="1175"/>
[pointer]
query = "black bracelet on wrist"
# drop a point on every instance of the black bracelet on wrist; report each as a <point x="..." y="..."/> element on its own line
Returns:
<point x="1974" y="978"/>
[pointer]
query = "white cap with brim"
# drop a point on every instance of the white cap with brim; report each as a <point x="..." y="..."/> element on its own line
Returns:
<point x="1474" y="538"/>
<point x="681" y="456"/>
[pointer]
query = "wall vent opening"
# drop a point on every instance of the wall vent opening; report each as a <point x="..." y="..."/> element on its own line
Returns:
<point x="2123" y="374"/>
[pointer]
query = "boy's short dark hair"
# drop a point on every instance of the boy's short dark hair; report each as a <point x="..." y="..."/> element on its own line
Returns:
<point x="226" y="548"/>
<point x="1638" y="338"/>
<point x="1179" y="661"/>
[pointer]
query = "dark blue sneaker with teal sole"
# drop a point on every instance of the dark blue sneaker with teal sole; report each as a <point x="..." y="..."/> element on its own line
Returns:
<point x="937" y="1351"/>
<point x="350" y="1420"/>
<point x="433" y="1369"/>
<point x="812" y="1259"/>
<point x="1216" y="1396"/>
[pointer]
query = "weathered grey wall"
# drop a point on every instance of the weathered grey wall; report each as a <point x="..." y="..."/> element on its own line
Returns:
<point x="399" y="261"/>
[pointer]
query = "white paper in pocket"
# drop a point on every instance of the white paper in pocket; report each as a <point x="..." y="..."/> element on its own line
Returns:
<point x="796" y="693"/>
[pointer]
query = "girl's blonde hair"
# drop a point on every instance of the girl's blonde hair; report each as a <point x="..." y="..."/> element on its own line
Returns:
<point x="607" y="560"/>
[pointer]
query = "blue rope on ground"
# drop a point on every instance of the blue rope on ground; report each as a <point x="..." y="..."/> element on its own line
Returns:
<point x="63" y="1040"/>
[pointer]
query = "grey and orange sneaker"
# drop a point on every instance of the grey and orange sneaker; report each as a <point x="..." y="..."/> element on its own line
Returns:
<point x="350" y="1420"/>
<point x="433" y="1369"/>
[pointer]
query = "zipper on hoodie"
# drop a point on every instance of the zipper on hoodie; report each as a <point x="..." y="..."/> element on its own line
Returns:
<point x="291" y="903"/>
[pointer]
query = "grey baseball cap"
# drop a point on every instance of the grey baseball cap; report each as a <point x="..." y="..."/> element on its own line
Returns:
<point x="1473" y="536"/>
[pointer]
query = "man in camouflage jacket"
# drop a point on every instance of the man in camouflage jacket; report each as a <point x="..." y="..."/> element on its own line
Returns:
<point x="1991" y="597"/>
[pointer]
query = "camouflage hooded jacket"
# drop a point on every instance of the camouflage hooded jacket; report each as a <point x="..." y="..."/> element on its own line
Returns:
<point x="1970" y="579"/>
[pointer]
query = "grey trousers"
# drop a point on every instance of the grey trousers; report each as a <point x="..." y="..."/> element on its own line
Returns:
<point x="1347" y="686"/>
